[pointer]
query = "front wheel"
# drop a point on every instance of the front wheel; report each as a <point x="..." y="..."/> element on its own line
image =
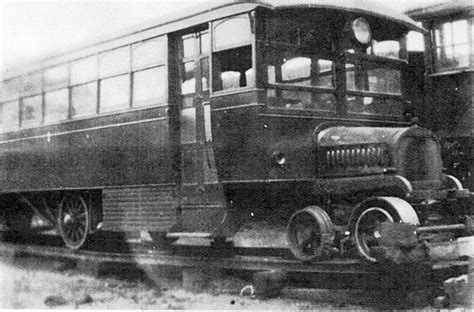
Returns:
<point x="366" y="235"/>
<point x="371" y="214"/>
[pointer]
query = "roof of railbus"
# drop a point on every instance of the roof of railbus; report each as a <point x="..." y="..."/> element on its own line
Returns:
<point x="205" y="12"/>
<point x="441" y="9"/>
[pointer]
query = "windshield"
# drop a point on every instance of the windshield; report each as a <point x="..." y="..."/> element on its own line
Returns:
<point x="312" y="61"/>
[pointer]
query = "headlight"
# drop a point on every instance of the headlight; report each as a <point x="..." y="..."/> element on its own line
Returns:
<point x="361" y="29"/>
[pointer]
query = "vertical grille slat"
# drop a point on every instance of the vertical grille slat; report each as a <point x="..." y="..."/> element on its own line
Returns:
<point x="356" y="156"/>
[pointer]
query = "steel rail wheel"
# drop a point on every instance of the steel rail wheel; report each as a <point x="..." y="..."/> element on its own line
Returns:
<point x="365" y="234"/>
<point x="73" y="221"/>
<point x="309" y="233"/>
<point x="374" y="212"/>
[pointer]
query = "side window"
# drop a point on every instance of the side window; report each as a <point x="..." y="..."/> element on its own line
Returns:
<point x="32" y="83"/>
<point x="149" y="86"/>
<point x="56" y="98"/>
<point x="452" y="45"/>
<point x="31" y="114"/>
<point x="56" y="106"/>
<point x="84" y="100"/>
<point x="149" y="72"/>
<point x="9" y="116"/>
<point x="187" y="65"/>
<point x="84" y="87"/>
<point x="114" y="68"/>
<point x="134" y="75"/>
<point x="114" y="93"/>
<point x="56" y="77"/>
<point x="114" y="62"/>
<point x="232" y="66"/>
<point x="84" y="70"/>
<point x="11" y="89"/>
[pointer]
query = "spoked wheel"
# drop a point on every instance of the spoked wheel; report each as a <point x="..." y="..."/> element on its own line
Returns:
<point x="373" y="213"/>
<point x="73" y="221"/>
<point x="310" y="231"/>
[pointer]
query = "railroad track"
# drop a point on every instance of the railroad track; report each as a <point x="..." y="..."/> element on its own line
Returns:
<point x="245" y="259"/>
<point x="399" y="284"/>
<point x="193" y="256"/>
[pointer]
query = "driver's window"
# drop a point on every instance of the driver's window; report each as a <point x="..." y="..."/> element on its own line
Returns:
<point x="232" y="61"/>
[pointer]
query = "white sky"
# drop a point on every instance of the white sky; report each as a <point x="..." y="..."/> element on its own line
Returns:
<point x="34" y="29"/>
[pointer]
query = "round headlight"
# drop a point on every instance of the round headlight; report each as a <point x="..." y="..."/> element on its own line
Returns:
<point x="361" y="29"/>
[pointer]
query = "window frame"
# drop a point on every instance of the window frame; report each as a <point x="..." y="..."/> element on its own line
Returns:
<point x="92" y="80"/>
<point x="46" y="120"/>
<point x="162" y="39"/>
<point x="219" y="22"/>
<point x="274" y="48"/>
<point x="17" y="93"/>
<point x="252" y="43"/>
<point x="40" y="119"/>
<point x="15" y="102"/>
<point x="437" y="26"/>
<point x="336" y="53"/>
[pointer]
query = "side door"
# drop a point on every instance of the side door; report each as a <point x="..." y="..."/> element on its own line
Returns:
<point x="194" y="108"/>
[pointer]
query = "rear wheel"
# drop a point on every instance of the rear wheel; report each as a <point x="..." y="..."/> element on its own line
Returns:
<point x="310" y="231"/>
<point x="73" y="221"/>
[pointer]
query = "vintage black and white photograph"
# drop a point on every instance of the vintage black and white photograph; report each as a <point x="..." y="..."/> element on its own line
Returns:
<point x="237" y="155"/>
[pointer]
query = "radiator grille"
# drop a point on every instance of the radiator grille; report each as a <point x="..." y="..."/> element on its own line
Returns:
<point x="356" y="156"/>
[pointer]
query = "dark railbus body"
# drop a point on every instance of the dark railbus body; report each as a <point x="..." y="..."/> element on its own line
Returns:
<point x="183" y="129"/>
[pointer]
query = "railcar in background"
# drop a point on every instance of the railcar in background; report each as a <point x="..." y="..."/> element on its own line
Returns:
<point x="289" y="113"/>
<point x="448" y="85"/>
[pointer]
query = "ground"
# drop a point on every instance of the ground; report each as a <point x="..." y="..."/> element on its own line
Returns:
<point x="32" y="283"/>
<point x="38" y="283"/>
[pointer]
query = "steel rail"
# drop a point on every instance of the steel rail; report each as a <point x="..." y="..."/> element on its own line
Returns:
<point x="216" y="260"/>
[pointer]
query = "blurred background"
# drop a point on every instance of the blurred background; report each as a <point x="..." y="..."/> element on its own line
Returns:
<point x="35" y="29"/>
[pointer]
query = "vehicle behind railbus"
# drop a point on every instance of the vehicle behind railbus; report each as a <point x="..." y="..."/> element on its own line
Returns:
<point x="448" y="84"/>
<point x="234" y="115"/>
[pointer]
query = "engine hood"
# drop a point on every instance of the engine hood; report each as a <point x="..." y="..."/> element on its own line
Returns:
<point x="413" y="152"/>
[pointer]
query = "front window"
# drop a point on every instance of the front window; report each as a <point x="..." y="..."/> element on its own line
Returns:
<point x="373" y="87"/>
<point x="300" y="74"/>
<point x="317" y="58"/>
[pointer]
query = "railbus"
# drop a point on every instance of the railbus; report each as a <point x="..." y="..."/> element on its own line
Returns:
<point x="449" y="65"/>
<point x="291" y="113"/>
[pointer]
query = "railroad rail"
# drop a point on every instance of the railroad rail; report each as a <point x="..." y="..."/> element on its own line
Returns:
<point x="398" y="284"/>
<point x="352" y="271"/>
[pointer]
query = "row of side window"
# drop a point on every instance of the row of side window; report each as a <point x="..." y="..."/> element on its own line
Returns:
<point x="132" y="76"/>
